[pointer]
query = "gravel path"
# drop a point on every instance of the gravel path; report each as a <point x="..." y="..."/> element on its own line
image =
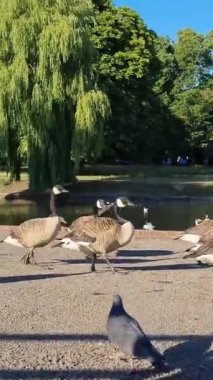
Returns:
<point x="53" y="315"/>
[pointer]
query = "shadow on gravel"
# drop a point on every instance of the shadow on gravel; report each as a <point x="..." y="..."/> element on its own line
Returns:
<point x="166" y="267"/>
<point x="191" y="359"/>
<point x="122" y="257"/>
<point x="100" y="337"/>
<point x="191" y="354"/>
<point x="33" y="277"/>
<point x="143" y="252"/>
<point x="81" y="374"/>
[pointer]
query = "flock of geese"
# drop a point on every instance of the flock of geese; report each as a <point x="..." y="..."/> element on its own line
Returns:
<point x="94" y="235"/>
<point x="101" y="233"/>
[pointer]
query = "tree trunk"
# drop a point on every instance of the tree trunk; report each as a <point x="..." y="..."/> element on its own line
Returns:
<point x="14" y="156"/>
<point x="51" y="163"/>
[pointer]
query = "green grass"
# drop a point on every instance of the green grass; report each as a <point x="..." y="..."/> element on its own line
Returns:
<point x="144" y="173"/>
<point x="5" y="178"/>
<point x="171" y="180"/>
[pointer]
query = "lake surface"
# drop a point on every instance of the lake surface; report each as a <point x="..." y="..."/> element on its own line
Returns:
<point x="164" y="215"/>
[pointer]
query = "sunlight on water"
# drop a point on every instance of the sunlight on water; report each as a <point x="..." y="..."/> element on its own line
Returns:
<point x="165" y="215"/>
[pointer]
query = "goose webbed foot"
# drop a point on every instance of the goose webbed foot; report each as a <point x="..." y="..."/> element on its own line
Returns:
<point x="28" y="258"/>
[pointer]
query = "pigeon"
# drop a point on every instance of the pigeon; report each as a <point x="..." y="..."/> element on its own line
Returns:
<point x="126" y="333"/>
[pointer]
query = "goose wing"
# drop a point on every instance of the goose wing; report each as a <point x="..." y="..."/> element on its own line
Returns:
<point x="201" y="228"/>
<point x="36" y="232"/>
<point x="90" y="229"/>
<point x="205" y="248"/>
<point x="81" y="220"/>
<point x="207" y="237"/>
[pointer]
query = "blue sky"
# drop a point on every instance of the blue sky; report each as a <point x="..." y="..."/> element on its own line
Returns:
<point x="166" y="17"/>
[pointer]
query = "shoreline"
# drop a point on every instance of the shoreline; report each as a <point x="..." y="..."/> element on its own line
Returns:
<point x="138" y="234"/>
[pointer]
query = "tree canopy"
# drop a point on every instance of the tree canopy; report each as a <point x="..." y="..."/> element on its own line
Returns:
<point x="156" y="87"/>
<point x="86" y="79"/>
<point x="48" y="89"/>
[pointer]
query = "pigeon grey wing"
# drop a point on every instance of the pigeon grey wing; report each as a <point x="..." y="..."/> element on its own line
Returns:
<point x="135" y="326"/>
<point x="122" y="333"/>
<point x="143" y="347"/>
<point x="125" y="332"/>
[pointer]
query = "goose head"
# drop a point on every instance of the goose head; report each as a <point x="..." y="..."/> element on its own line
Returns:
<point x="199" y="221"/>
<point x="64" y="243"/>
<point x="59" y="189"/>
<point x="63" y="221"/>
<point x="122" y="202"/>
<point x="100" y="204"/>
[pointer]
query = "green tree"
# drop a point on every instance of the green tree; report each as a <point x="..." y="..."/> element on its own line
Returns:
<point x="193" y="55"/>
<point x="157" y="88"/>
<point x="126" y="57"/>
<point x="190" y="102"/>
<point x="166" y="71"/>
<point x="49" y="100"/>
<point x="102" y="5"/>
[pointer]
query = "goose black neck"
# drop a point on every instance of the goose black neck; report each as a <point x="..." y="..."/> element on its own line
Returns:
<point x="119" y="218"/>
<point x="52" y="204"/>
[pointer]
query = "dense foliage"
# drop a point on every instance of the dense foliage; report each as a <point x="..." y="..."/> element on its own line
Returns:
<point x="157" y="87"/>
<point x="85" y="79"/>
<point x="49" y="100"/>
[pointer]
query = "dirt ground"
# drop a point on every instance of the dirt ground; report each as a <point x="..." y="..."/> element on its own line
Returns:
<point x="53" y="315"/>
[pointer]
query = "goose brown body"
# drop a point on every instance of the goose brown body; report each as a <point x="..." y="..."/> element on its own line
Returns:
<point x="200" y="228"/>
<point x="205" y="245"/>
<point x="99" y="236"/>
<point x="37" y="232"/>
<point x="197" y="234"/>
<point x="107" y="211"/>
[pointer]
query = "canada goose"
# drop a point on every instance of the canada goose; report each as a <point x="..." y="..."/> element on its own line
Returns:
<point x="99" y="206"/>
<point x="205" y="245"/>
<point x="193" y="234"/>
<point x="199" y="221"/>
<point x="122" y="202"/>
<point x="111" y="210"/>
<point x="98" y="236"/>
<point x="205" y="259"/>
<point x="101" y="209"/>
<point x="98" y="209"/>
<point x="37" y="232"/>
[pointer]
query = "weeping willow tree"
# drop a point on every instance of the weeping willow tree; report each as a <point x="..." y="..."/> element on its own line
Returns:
<point x="50" y="104"/>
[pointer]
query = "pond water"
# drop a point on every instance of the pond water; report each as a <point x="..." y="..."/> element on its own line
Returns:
<point x="164" y="215"/>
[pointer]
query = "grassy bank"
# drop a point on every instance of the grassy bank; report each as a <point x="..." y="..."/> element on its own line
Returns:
<point x="154" y="181"/>
<point x="145" y="172"/>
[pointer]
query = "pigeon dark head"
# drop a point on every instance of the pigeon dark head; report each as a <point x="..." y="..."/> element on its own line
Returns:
<point x="117" y="300"/>
<point x="117" y="306"/>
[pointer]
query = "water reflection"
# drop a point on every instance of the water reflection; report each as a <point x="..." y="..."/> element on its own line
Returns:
<point x="165" y="215"/>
